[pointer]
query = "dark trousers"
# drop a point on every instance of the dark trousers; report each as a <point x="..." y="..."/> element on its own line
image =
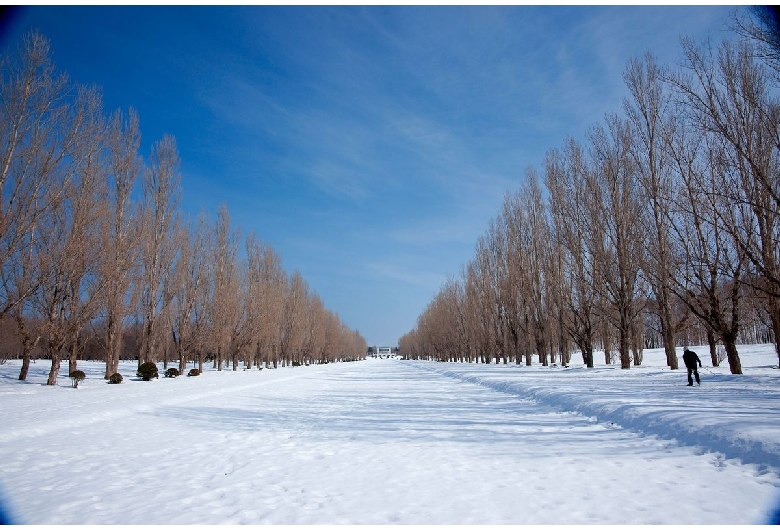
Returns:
<point x="696" y="373"/>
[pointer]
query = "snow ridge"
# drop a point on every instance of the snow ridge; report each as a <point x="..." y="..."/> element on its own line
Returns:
<point x="734" y="437"/>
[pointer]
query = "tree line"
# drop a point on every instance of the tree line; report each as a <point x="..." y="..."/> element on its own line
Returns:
<point x="661" y="227"/>
<point x="95" y="253"/>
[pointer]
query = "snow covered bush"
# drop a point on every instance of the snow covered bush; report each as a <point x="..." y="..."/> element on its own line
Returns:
<point x="193" y="372"/>
<point x="77" y="377"/>
<point x="115" y="379"/>
<point x="147" y="371"/>
<point x="172" y="372"/>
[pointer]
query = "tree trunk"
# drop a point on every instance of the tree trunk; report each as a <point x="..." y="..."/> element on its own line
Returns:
<point x="113" y="340"/>
<point x="27" y="345"/>
<point x="623" y="342"/>
<point x="667" y="335"/>
<point x="625" y="357"/>
<point x="588" y="353"/>
<point x="146" y="353"/>
<point x="54" y="353"/>
<point x="607" y="349"/>
<point x="74" y="353"/>
<point x="565" y="345"/>
<point x="139" y="353"/>
<point x="713" y="347"/>
<point x="637" y="354"/>
<point x="25" y="364"/>
<point x="541" y="343"/>
<point x="730" y="343"/>
<point x="636" y="344"/>
<point x="182" y="357"/>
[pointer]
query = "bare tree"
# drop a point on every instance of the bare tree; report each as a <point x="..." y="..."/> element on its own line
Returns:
<point x="67" y="245"/>
<point x="538" y="253"/>
<point x="515" y="277"/>
<point x="729" y="97"/>
<point x="330" y="338"/>
<point x="762" y="29"/>
<point x="37" y="132"/>
<point x="120" y="231"/>
<point x="160" y="189"/>
<point x="479" y="308"/>
<point x="292" y="323"/>
<point x="565" y="179"/>
<point x="188" y="307"/>
<point x="709" y="283"/>
<point x="492" y="255"/>
<point x="559" y="296"/>
<point x="726" y="101"/>
<point x="253" y="278"/>
<point x="647" y="111"/>
<point x="267" y="281"/>
<point x="19" y="279"/>
<point x="445" y="321"/>
<point x="238" y="315"/>
<point x="85" y="286"/>
<point x="224" y="285"/>
<point x="616" y="225"/>
<point x="524" y="293"/>
<point x="313" y="332"/>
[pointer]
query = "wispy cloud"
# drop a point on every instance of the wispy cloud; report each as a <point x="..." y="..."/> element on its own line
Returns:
<point x="412" y="123"/>
<point x="404" y="275"/>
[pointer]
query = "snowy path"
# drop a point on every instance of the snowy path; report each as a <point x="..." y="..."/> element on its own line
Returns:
<point x="374" y="442"/>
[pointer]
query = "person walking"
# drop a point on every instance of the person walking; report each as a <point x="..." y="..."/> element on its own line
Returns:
<point x="691" y="359"/>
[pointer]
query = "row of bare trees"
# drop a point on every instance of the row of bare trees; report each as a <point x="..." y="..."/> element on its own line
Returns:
<point x="665" y="221"/>
<point x="93" y="244"/>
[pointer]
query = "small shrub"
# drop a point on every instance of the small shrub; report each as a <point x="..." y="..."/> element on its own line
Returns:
<point x="115" y="379"/>
<point x="172" y="372"/>
<point x="193" y="372"/>
<point x="77" y="377"/>
<point x="148" y="371"/>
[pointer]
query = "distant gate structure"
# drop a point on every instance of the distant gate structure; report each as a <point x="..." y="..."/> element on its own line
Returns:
<point x="382" y="352"/>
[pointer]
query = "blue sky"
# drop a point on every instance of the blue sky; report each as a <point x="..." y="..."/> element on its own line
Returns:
<point x="370" y="146"/>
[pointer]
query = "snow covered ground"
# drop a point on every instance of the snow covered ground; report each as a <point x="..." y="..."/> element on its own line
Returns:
<point x="395" y="442"/>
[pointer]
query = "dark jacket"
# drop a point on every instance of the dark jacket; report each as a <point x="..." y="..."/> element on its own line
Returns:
<point x="690" y="359"/>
